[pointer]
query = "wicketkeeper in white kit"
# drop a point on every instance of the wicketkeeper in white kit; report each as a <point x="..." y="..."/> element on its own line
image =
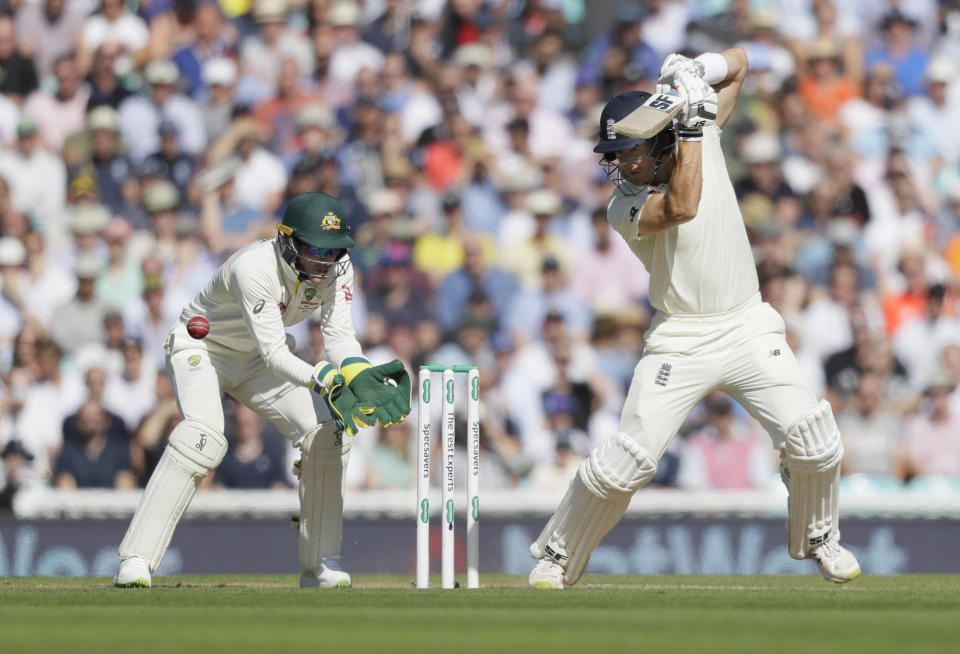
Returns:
<point x="675" y="206"/>
<point x="259" y="290"/>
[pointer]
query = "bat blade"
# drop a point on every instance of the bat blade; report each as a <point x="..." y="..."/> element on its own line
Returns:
<point x="651" y="117"/>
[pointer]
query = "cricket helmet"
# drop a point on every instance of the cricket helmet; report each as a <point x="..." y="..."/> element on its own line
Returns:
<point x="618" y="108"/>
<point x="314" y="228"/>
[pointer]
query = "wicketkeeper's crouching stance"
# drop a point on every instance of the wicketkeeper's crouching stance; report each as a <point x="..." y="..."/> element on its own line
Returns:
<point x="675" y="206"/>
<point x="255" y="293"/>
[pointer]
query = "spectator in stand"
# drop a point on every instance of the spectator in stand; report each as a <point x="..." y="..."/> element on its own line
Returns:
<point x="938" y="107"/>
<point x="389" y="464"/>
<point x="726" y="452"/>
<point x="170" y="162"/>
<point x="627" y="32"/>
<point x="209" y="43"/>
<point x="396" y="291"/>
<point x="132" y="394"/>
<point x="761" y="153"/>
<point x="474" y="277"/>
<point x="253" y="460"/>
<point x="46" y="283"/>
<point x="262" y="53"/>
<point x="932" y="438"/>
<point x="141" y="116"/>
<point x="530" y="307"/>
<point x="60" y="113"/>
<point x="827" y="87"/>
<point x="524" y="258"/>
<point x="93" y="459"/>
<point x="217" y="106"/>
<point x="608" y="276"/>
<point x="37" y="178"/>
<point x="16" y="473"/>
<point x="350" y="53"/>
<point x="911" y="303"/>
<point x="900" y="52"/>
<point x="113" y="24"/>
<point x="19" y="77"/>
<point x="47" y="31"/>
<point x="871" y="432"/>
<point x="106" y="87"/>
<point x="920" y="342"/>
<point x="108" y="169"/>
<point x="52" y="396"/>
<point x="79" y="321"/>
<point x="260" y="176"/>
<point x="277" y="116"/>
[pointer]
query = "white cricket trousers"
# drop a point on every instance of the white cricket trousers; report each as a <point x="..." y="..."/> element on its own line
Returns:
<point x="200" y="371"/>
<point x="743" y="353"/>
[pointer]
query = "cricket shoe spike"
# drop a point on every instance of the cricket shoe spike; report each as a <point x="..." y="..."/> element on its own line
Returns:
<point x="328" y="575"/>
<point x="134" y="572"/>
<point x="836" y="563"/>
<point x="547" y="573"/>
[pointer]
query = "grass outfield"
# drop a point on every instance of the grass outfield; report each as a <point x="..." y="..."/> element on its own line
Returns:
<point x="666" y="615"/>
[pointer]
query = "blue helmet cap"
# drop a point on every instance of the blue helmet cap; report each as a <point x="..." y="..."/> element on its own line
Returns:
<point x="618" y="108"/>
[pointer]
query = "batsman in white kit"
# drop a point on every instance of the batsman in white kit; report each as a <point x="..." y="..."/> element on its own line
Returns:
<point x="675" y="206"/>
<point x="259" y="290"/>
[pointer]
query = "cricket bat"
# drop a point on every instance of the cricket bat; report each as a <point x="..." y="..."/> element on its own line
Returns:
<point x="649" y="118"/>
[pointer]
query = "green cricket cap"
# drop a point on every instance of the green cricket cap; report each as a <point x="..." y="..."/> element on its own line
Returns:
<point x="317" y="219"/>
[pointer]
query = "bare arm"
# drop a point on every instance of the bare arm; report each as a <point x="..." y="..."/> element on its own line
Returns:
<point x="729" y="89"/>
<point x="679" y="204"/>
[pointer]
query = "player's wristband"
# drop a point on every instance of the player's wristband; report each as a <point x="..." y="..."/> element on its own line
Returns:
<point x="715" y="67"/>
<point x="323" y="372"/>
<point x="686" y="134"/>
<point x="353" y="366"/>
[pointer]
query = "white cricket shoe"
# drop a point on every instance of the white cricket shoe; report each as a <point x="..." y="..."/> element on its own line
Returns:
<point x="134" y="572"/>
<point x="546" y="574"/>
<point x="328" y="575"/>
<point x="836" y="563"/>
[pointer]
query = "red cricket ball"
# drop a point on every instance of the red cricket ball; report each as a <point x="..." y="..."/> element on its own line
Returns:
<point x="198" y="327"/>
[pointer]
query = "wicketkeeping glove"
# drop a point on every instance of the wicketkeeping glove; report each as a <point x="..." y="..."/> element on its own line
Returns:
<point x="390" y="403"/>
<point x="341" y="401"/>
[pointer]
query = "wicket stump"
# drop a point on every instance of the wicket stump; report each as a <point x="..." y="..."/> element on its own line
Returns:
<point x="448" y="417"/>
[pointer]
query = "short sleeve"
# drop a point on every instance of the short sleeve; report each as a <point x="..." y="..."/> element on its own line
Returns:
<point x="623" y="212"/>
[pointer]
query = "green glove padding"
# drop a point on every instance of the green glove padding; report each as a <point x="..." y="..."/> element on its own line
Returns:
<point x="342" y="404"/>
<point x="387" y="403"/>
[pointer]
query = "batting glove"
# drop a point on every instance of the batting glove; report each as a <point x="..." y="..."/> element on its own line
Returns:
<point x="700" y="106"/>
<point x="675" y="63"/>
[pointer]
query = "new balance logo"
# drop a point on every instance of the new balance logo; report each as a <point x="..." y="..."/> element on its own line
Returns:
<point x="663" y="375"/>
<point x="774" y="353"/>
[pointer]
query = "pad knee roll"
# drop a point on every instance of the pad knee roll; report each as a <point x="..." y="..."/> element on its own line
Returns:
<point x="194" y="449"/>
<point x="618" y="466"/>
<point x="811" y="472"/>
<point x="324" y="456"/>
<point x="813" y="442"/>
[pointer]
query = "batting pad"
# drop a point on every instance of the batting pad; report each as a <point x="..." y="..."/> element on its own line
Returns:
<point x="194" y="449"/>
<point x="577" y="527"/>
<point x="811" y="470"/>
<point x="594" y="503"/>
<point x="323" y="461"/>
<point x="617" y="466"/>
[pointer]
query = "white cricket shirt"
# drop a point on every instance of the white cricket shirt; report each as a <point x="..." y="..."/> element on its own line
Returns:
<point x="255" y="294"/>
<point x="703" y="266"/>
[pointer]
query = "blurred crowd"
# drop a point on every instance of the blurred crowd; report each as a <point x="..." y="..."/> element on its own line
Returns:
<point x="143" y="141"/>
